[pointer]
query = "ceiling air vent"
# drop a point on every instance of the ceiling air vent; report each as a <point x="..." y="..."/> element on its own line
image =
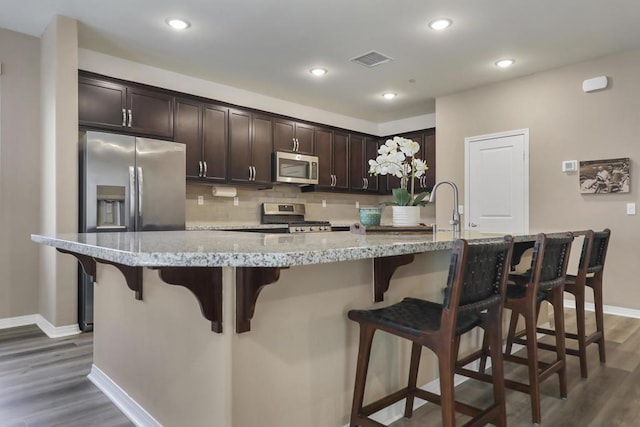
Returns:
<point x="371" y="59"/>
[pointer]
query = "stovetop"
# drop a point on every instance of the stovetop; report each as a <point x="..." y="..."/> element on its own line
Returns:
<point x="292" y="215"/>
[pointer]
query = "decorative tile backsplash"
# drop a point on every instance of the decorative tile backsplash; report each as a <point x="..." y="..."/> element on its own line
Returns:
<point x="340" y="208"/>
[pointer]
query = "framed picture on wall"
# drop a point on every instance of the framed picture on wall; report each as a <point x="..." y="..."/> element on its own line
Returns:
<point x="605" y="176"/>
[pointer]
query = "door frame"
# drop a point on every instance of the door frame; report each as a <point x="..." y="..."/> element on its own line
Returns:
<point x="467" y="146"/>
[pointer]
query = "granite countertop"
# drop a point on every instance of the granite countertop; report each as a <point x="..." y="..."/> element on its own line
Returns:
<point x="224" y="226"/>
<point x="240" y="249"/>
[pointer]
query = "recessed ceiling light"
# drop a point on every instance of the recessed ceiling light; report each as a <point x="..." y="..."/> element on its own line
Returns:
<point x="505" y="63"/>
<point x="389" y="95"/>
<point x="318" y="71"/>
<point x="177" y="23"/>
<point x="440" y="24"/>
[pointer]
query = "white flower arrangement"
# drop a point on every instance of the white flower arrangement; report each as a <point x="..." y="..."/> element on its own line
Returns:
<point x="397" y="157"/>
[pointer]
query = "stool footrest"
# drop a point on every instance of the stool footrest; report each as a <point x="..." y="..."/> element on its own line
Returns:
<point x="382" y="403"/>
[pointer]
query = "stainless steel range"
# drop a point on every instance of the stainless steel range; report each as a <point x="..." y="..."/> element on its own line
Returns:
<point x="292" y="216"/>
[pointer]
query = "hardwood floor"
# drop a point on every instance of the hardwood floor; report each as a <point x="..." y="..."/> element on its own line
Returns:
<point x="43" y="382"/>
<point x="609" y="397"/>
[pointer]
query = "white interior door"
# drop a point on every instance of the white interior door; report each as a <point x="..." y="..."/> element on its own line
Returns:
<point x="497" y="182"/>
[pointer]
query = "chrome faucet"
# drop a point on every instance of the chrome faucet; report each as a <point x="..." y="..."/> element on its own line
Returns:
<point x="455" y="217"/>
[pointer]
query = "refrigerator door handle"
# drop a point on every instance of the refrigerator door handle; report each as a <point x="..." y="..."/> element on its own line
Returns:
<point x="140" y="187"/>
<point x="132" y="198"/>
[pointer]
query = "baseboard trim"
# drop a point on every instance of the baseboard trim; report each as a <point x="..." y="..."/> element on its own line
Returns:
<point x="129" y="407"/>
<point x="44" y="325"/>
<point x="56" y="331"/>
<point x="607" y="309"/>
<point x="14" y="322"/>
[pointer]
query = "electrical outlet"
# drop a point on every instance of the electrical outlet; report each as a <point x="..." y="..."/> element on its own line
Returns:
<point x="201" y="200"/>
<point x="357" y="204"/>
<point x="236" y="201"/>
<point x="324" y="203"/>
<point x="631" y="208"/>
<point x="461" y="209"/>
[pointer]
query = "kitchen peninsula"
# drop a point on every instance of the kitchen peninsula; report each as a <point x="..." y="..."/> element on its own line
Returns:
<point x="290" y="360"/>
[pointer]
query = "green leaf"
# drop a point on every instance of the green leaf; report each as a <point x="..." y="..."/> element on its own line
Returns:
<point x="402" y="196"/>
<point x="418" y="201"/>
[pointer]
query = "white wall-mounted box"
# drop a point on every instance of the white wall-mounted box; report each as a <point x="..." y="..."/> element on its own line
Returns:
<point x="569" y="165"/>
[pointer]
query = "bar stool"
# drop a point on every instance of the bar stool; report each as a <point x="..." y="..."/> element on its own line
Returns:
<point x="590" y="270"/>
<point x="473" y="297"/>
<point x="525" y="292"/>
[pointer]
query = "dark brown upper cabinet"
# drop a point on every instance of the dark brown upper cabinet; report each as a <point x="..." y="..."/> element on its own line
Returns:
<point x="293" y="136"/>
<point x="427" y="141"/>
<point x="250" y="147"/>
<point x="332" y="148"/>
<point x="109" y="105"/>
<point x="203" y="129"/>
<point x="361" y="150"/>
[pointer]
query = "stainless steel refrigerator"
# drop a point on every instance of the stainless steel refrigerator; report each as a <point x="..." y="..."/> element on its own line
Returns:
<point x="127" y="183"/>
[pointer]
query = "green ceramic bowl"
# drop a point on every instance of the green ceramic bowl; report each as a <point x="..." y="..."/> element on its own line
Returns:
<point x="370" y="216"/>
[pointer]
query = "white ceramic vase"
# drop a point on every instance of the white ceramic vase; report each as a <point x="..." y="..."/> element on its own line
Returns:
<point x="406" y="216"/>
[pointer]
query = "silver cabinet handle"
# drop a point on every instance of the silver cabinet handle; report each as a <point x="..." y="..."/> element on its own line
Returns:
<point x="205" y="169"/>
<point x="366" y="183"/>
<point x="124" y="117"/>
<point x="250" y="173"/>
<point x="200" y="168"/>
<point x="293" y="141"/>
<point x="473" y="224"/>
<point x="132" y="199"/>
<point x="254" y="172"/>
<point x="130" y="118"/>
<point x="333" y="180"/>
<point x="297" y="144"/>
<point x="140" y="193"/>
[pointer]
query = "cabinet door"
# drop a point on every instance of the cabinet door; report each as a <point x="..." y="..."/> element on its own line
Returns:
<point x="324" y="151"/>
<point x="283" y="135"/>
<point x="101" y="104"/>
<point x="356" y="162"/>
<point x="341" y="160"/>
<point x="304" y="138"/>
<point x="239" y="146"/>
<point x="262" y="147"/>
<point x="214" y="142"/>
<point x="371" y="152"/>
<point x="188" y="131"/>
<point x="429" y="153"/>
<point x="151" y="113"/>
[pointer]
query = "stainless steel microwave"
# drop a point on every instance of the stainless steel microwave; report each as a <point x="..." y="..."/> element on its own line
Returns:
<point x="294" y="168"/>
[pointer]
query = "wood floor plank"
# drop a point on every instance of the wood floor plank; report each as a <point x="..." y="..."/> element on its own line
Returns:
<point x="43" y="382"/>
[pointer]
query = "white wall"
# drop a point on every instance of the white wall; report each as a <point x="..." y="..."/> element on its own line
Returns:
<point x="59" y="106"/>
<point x="564" y="124"/>
<point x="19" y="173"/>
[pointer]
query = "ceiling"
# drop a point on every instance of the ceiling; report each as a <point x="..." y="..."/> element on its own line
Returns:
<point x="268" y="46"/>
